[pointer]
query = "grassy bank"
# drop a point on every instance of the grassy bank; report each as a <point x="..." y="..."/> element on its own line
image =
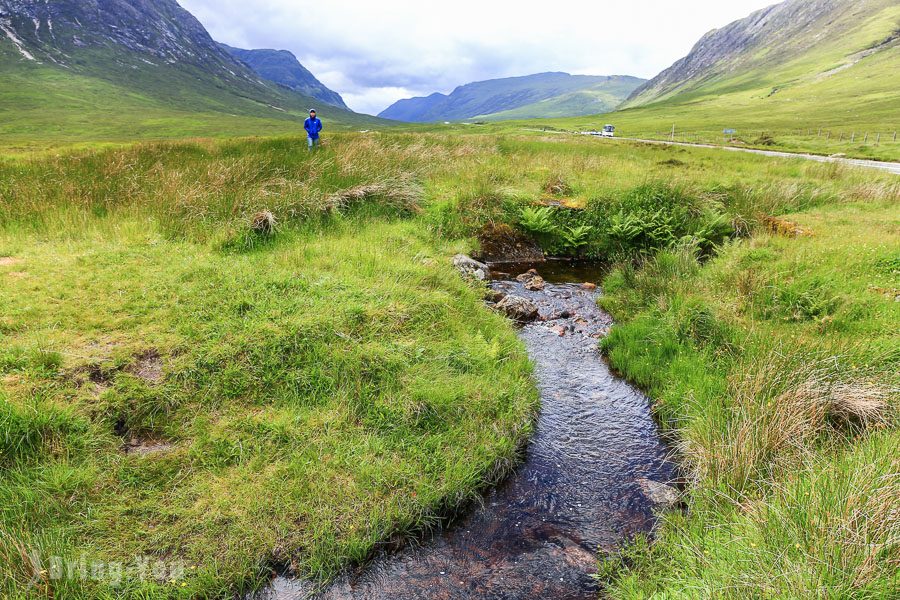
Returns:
<point x="775" y="366"/>
<point x="175" y="385"/>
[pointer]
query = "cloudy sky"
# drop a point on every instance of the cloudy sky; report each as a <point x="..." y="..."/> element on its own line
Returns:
<point x="375" y="52"/>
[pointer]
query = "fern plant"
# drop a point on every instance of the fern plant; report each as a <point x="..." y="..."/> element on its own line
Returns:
<point x="574" y="238"/>
<point x="537" y="219"/>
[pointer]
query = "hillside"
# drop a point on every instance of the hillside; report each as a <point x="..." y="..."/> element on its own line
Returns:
<point x="819" y="76"/>
<point x="283" y="68"/>
<point x="540" y="95"/>
<point x="117" y="70"/>
<point x="783" y="43"/>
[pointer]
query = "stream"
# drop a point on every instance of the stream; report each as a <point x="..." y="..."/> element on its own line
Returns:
<point x="585" y="483"/>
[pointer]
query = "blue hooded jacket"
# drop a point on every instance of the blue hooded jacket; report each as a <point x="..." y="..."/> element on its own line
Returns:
<point x="313" y="126"/>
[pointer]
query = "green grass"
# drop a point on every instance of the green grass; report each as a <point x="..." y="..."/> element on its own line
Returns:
<point x="321" y="391"/>
<point x="775" y="366"/>
<point x="324" y="388"/>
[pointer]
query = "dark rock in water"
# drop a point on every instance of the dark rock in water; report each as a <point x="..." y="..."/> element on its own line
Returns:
<point x="518" y="308"/>
<point x="658" y="493"/>
<point x="527" y="276"/>
<point x="494" y="296"/>
<point x="535" y="284"/>
<point x="471" y="268"/>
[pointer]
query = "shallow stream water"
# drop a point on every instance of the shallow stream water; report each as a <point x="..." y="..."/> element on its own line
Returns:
<point x="578" y="490"/>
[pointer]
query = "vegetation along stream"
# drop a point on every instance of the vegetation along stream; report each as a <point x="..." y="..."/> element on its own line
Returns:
<point x="592" y="475"/>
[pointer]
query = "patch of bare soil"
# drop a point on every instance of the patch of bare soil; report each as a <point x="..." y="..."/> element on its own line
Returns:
<point x="502" y="243"/>
<point x="147" y="447"/>
<point x="148" y="367"/>
<point x="9" y="261"/>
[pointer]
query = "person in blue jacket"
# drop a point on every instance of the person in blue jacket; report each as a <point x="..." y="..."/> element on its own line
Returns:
<point x="312" y="125"/>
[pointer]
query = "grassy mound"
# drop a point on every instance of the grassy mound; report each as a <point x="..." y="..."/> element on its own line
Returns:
<point x="225" y="403"/>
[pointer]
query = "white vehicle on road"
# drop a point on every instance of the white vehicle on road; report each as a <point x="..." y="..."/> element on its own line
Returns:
<point x="608" y="131"/>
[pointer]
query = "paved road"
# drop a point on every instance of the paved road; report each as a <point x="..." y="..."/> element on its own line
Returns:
<point x="890" y="167"/>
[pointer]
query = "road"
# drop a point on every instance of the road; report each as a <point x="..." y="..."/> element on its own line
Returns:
<point x="890" y="167"/>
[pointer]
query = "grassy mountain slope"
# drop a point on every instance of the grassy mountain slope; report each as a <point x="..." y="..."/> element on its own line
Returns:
<point x="784" y="44"/>
<point x="838" y="72"/>
<point x="121" y="70"/>
<point x="283" y="68"/>
<point x="600" y="98"/>
<point x="543" y="94"/>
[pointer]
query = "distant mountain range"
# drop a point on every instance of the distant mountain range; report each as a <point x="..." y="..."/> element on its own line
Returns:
<point x="531" y="96"/>
<point x="121" y="69"/>
<point x="142" y="67"/>
<point x="283" y="68"/>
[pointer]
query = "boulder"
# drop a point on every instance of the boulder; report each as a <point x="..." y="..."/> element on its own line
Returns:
<point x="494" y="295"/>
<point x="535" y="284"/>
<point x="518" y="308"/>
<point x="471" y="268"/>
<point x="589" y="286"/>
<point x="527" y="276"/>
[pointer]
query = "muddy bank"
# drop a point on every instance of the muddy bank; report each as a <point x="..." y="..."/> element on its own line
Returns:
<point x="585" y="484"/>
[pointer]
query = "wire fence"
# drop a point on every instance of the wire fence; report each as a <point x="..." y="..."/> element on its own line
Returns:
<point x="821" y="136"/>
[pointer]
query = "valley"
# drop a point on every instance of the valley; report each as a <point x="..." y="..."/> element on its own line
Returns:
<point x="458" y="350"/>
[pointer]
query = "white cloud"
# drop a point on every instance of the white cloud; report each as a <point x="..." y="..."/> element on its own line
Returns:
<point x="376" y="52"/>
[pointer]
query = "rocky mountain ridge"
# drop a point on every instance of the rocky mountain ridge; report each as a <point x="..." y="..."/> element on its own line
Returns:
<point x="159" y="32"/>
<point x="283" y="68"/>
<point x="764" y="40"/>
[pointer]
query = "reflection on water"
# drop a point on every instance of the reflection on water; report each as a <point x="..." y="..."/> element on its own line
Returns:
<point x="537" y="535"/>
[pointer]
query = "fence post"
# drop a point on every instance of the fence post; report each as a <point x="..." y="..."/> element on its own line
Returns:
<point x="842" y="137"/>
<point x="827" y="135"/>
<point x="853" y="138"/>
<point x="895" y="136"/>
<point x="866" y="139"/>
<point x="877" y="139"/>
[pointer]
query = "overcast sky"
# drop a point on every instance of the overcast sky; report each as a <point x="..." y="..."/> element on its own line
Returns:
<point x="375" y="52"/>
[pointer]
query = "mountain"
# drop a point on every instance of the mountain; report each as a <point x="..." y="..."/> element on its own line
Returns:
<point x="283" y="68"/>
<point x="805" y="75"/>
<point x="120" y="69"/>
<point x="543" y="94"/>
<point x="785" y="43"/>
